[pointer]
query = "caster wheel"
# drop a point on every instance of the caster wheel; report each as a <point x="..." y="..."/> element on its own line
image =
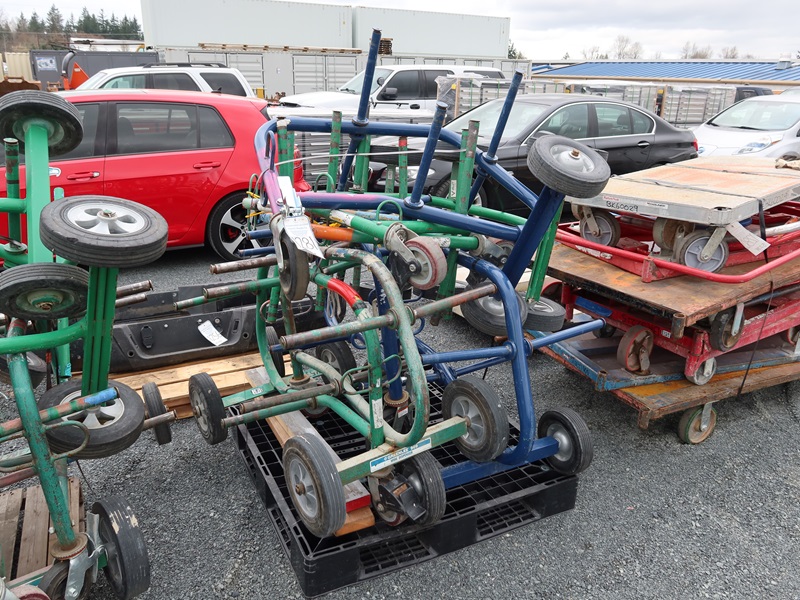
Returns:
<point x="488" y="314"/>
<point x="791" y="335"/>
<point x="128" y="566"/>
<point x="207" y="408"/>
<point x="101" y="231"/>
<point x="634" y="350"/>
<point x="690" y="248"/>
<point x="340" y="357"/>
<point x="26" y="592"/>
<point x="545" y="315"/>
<point x="690" y="428"/>
<point x="335" y="308"/>
<point x="44" y="291"/>
<point x="54" y="582"/>
<point x="154" y="404"/>
<point x="704" y="372"/>
<point x="608" y="227"/>
<point x="432" y="261"/>
<point x="37" y="370"/>
<point x="113" y="426"/>
<point x="424" y="474"/>
<point x="62" y="119"/>
<point x="295" y="274"/>
<point x="487" y="420"/>
<point x="721" y="336"/>
<point x="667" y="231"/>
<point x="314" y="485"/>
<point x="575" y="446"/>
<point x="567" y="166"/>
<point x="277" y="357"/>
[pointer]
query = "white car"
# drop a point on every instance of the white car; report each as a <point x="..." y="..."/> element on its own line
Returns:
<point x="193" y="77"/>
<point x="393" y="86"/>
<point x="765" y="126"/>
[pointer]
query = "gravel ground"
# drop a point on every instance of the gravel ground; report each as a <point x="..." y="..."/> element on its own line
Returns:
<point x="654" y="518"/>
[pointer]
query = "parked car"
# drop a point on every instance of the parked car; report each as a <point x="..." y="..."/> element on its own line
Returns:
<point x="795" y="91"/>
<point x="632" y="137"/>
<point x="191" y="77"/>
<point x="766" y="126"/>
<point x="188" y="155"/>
<point x="393" y="86"/>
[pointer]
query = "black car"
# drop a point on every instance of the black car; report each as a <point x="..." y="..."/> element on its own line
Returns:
<point x="634" y="139"/>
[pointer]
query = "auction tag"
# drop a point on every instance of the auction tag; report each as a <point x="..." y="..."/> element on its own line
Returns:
<point x="208" y="331"/>
<point x="748" y="239"/>
<point x="299" y="231"/>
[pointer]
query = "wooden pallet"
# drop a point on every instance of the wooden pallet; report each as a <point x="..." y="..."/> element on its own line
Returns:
<point x="25" y="524"/>
<point x="173" y="382"/>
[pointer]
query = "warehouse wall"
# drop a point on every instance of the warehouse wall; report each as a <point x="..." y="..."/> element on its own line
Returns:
<point x="259" y="22"/>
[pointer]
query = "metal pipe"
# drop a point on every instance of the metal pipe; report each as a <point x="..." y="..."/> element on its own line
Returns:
<point x="130" y="299"/>
<point x="134" y="288"/>
<point x="427" y="154"/>
<point x="242" y="265"/>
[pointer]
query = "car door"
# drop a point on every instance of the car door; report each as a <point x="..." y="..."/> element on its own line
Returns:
<point x="156" y="158"/>
<point x="77" y="173"/>
<point x="402" y="90"/>
<point x="626" y="134"/>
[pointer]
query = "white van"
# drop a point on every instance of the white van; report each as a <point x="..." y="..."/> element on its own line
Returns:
<point x="393" y="86"/>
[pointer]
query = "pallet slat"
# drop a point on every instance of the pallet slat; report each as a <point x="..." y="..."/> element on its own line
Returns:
<point x="10" y="504"/>
<point x="35" y="525"/>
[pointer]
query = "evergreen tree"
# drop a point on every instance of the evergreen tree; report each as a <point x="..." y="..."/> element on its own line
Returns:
<point x="54" y="22"/>
<point x="35" y="24"/>
<point x="22" y="23"/>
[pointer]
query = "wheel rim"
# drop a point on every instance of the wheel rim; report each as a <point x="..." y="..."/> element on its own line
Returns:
<point x="199" y="412"/>
<point x="705" y="372"/>
<point x="114" y="568"/>
<point x="304" y="489"/>
<point x="102" y="218"/>
<point x="96" y="417"/>
<point x="606" y="235"/>
<point x="691" y="255"/>
<point x="572" y="159"/>
<point x="46" y="300"/>
<point x="476" y="428"/>
<point x="328" y="356"/>
<point x="561" y="435"/>
<point x="541" y="307"/>
<point x="492" y="305"/>
<point x="232" y="228"/>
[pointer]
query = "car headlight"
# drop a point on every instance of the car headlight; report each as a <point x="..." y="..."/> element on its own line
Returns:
<point x="758" y="145"/>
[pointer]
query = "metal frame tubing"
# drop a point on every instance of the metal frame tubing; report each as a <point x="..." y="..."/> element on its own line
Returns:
<point x="43" y="462"/>
<point x="97" y="342"/>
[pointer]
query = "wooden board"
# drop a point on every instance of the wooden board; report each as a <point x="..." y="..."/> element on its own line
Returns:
<point x="295" y="423"/>
<point x="173" y="382"/>
<point x="25" y="528"/>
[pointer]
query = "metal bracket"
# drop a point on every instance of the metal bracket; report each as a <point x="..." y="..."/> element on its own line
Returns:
<point x="705" y="418"/>
<point x="594" y="228"/>
<point x="713" y="243"/>
<point x="738" y="319"/>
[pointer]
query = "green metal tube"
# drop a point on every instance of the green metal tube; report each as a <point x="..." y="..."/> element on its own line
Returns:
<point x="40" y="450"/>
<point x="44" y="341"/>
<point x="541" y="260"/>
<point x="336" y="142"/>
<point x="107" y="328"/>
<point x="12" y="189"/>
<point x="37" y="176"/>
<point x="15" y="207"/>
<point x="402" y="168"/>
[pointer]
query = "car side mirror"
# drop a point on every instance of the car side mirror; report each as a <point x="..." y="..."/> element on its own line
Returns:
<point x="380" y="80"/>
<point x="389" y="94"/>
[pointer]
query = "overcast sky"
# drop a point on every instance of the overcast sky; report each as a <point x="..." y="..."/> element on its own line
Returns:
<point x="548" y="29"/>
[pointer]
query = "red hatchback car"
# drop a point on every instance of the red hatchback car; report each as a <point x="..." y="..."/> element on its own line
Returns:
<point x="188" y="155"/>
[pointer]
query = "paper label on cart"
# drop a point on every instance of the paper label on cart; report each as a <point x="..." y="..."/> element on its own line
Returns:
<point x="377" y="410"/>
<point x="593" y="252"/>
<point x="399" y="455"/>
<point x="748" y="239"/>
<point x="299" y="231"/>
<point x="208" y="331"/>
<point x="617" y="204"/>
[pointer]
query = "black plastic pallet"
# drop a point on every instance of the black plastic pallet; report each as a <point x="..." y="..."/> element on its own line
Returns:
<point x="476" y="511"/>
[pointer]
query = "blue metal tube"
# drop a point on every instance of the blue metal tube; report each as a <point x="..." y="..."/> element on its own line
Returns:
<point x="444" y="374"/>
<point x="427" y="154"/>
<point x="391" y="347"/>
<point x="565" y="334"/>
<point x="503" y="352"/>
<point x="369" y="74"/>
<point x="533" y="233"/>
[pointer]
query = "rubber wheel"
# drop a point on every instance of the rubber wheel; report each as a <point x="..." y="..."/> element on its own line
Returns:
<point x="295" y="275"/>
<point x="575" y="446"/>
<point x="609" y="233"/>
<point x="791" y="335"/>
<point x="424" y="473"/>
<point x="567" y="166"/>
<point x="634" y="349"/>
<point x="207" y="408"/>
<point x="112" y="427"/>
<point x="704" y="372"/>
<point x="720" y="337"/>
<point x="154" y="406"/>
<point x="487" y="420"/>
<point x="37" y="369"/>
<point x="665" y="231"/>
<point x="227" y="227"/>
<point x="335" y="306"/>
<point x="690" y="247"/>
<point x="488" y="314"/>
<point x="432" y="261"/>
<point x="314" y="485"/>
<point x="606" y="331"/>
<point x="277" y="357"/>
<point x="101" y="231"/>
<point x="128" y="567"/>
<point x="29" y="592"/>
<point x="442" y="190"/>
<point x="545" y="315"/>
<point x="340" y="357"/>
<point x="54" y="581"/>
<point x="63" y="121"/>
<point x="689" y="427"/>
<point x="44" y="291"/>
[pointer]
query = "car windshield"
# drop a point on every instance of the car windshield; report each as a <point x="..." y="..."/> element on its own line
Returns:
<point x="356" y="83"/>
<point x="92" y="82"/>
<point x="520" y="119"/>
<point x="759" y="115"/>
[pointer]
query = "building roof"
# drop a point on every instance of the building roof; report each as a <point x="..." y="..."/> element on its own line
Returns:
<point x="774" y="71"/>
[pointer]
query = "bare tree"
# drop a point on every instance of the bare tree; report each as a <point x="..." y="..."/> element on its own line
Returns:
<point x="691" y="50"/>
<point x="591" y="53"/>
<point x="624" y="48"/>
<point x="731" y="52"/>
<point x="656" y="55"/>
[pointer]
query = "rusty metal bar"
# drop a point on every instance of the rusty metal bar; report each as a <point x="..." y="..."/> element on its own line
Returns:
<point x="167" y="417"/>
<point x="130" y="299"/>
<point x="332" y="388"/>
<point x="243" y="265"/>
<point x="134" y="288"/>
